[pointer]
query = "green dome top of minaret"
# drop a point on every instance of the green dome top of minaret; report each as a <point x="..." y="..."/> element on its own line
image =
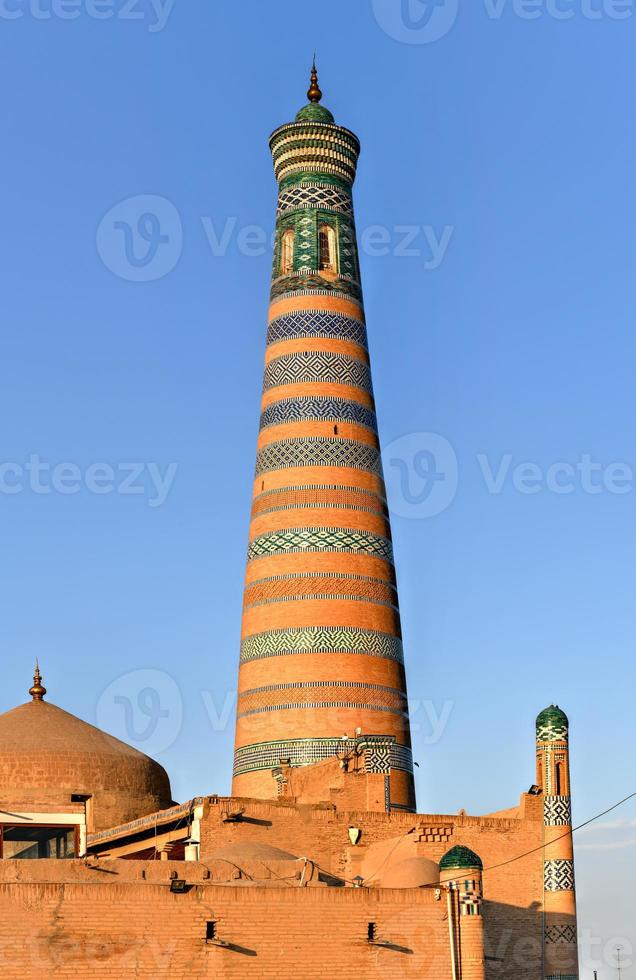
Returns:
<point x="552" y="724"/>
<point x="313" y="111"/>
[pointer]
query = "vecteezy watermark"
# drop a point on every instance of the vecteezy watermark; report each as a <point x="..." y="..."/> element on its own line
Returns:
<point x="408" y="242"/>
<point x="560" y="9"/>
<point x="141" y="238"/>
<point x="421" y="472"/>
<point x="42" y="478"/>
<point x="143" y="708"/>
<point x="155" y="13"/>
<point x="425" y="21"/>
<point x="562" y="478"/>
<point x="416" y="21"/>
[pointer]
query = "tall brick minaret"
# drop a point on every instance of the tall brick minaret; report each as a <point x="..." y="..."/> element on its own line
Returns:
<point x="321" y="667"/>
<point x="559" y="907"/>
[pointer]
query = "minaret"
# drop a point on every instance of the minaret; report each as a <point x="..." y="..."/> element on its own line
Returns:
<point x="553" y="776"/>
<point x="321" y="666"/>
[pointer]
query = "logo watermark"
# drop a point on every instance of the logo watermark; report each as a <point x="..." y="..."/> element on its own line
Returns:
<point x="42" y="478"/>
<point x="143" y="708"/>
<point x="422" y="475"/>
<point x="426" y="21"/>
<point x="154" y="13"/>
<point x="141" y="238"/>
<point x="416" y="21"/>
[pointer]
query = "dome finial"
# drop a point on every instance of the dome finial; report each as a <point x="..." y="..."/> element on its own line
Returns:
<point x="38" y="691"/>
<point x="314" y="94"/>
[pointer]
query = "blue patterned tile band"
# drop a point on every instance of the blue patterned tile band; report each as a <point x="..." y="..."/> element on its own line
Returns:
<point x="321" y="639"/>
<point x="317" y="323"/>
<point x="318" y="410"/>
<point x="338" y="453"/>
<point x="307" y="539"/>
<point x="306" y="751"/>
<point x="317" y="367"/>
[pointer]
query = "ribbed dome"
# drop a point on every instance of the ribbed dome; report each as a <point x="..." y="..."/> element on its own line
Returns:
<point x="459" y="858"/>
<point x="47" y="754"/>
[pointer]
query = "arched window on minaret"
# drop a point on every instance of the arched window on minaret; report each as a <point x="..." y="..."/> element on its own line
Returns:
<point x="558" y="779"/>
<point x="287" y="252"/>
<point x="327" y="249"/>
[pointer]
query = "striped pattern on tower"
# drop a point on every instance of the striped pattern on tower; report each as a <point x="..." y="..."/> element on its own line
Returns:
<point x="553" y="776"/>
<point x="321" y="648"/>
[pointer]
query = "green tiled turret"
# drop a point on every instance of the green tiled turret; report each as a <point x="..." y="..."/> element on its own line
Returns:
<point x="552" y="725"/>
<point x="459" y="858"/>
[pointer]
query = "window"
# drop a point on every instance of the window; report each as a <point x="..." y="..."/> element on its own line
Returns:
<point x="327" y="249"/>
<point x="25" y="842"/>
<point x="287" y="252"/>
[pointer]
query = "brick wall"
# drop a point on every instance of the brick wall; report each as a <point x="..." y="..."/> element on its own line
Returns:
<point x="109" y="924"/>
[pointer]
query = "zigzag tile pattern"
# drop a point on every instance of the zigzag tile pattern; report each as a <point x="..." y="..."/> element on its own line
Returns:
<point x="314" y="451"/>
<point x="322" y="196"/>
<point x="315" y="285"/>
<point x="560" y="934"/>
<point x="558" y="875"/>
<point x="309" y="539"/>
<point x="317" y="367"/>
<point x="321" y="639"/>
<point x="317" y="323"/>
<point x="318" y="410"/>
<point x="557" y="811"/>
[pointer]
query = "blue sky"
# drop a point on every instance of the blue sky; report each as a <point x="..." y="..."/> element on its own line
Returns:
<point x="495" y="205"/>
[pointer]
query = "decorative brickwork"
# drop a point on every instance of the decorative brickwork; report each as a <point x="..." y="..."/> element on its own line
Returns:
<point x="320" y="591"/>
<point x="317" y="367"/>
<point x="304" y="752"/>
<point x="316" y="495"/>
<point x="559" y="876"/>
<point x="290" y="588"/>
<point x="557" y="811"/>
<point x="318" y="410"/>
<point x="335" y="453"/>
<point x="560" y="934"/>
<point x="325" y="324"/>
<point x="321" y="639"/>
<point x="304" y="539"/>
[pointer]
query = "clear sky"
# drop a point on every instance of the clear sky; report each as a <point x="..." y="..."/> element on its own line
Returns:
<point x="495" y="205"/>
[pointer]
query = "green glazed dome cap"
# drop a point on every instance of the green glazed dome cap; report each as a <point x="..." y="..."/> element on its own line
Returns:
<point x="552" y="724"/>
<point x="459" y="858"/>
<point x="313" y="112"/>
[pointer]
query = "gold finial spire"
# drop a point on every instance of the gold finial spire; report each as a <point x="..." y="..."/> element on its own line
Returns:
<point x="314" y="94"/>
<point x="37" y="692"/>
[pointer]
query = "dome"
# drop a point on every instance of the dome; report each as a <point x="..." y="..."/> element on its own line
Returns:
<point x="47" y="754"/>
<point x="249" y="851"/>
<point x="459" y="858"/>
<point x="552" y="724"/>
<point x="314" y="113"/>
<point x="414" y="872"/>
